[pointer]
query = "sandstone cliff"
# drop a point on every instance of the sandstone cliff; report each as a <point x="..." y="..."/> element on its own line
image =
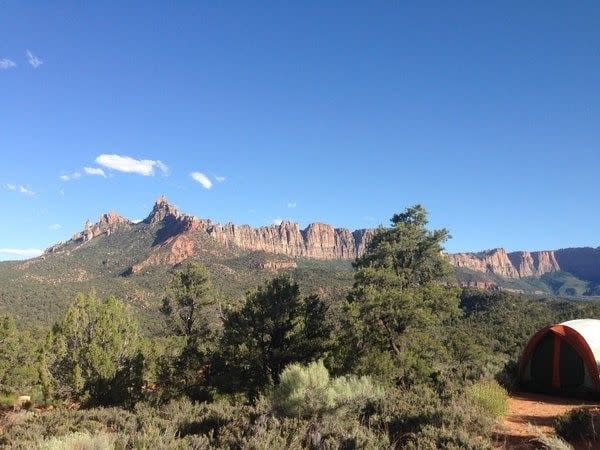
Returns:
<point x="317" y="241"/>
<point x="508" y="265"/>
<point x="179" y="236"/>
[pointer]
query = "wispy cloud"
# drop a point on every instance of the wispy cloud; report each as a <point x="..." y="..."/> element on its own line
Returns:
<point x="18" y="188"/>
<point x="277" y="221"/>
<point x="21" y="253"/>
<point x="202" y="179"/>
<point x="127" y="164"/>
<point x="70" y="176"/>
<point x="220" y="179"/>
<point x="291" y="204"/>
<point x="55" y="226"/>
<point x="6" y="63"/>
<point x="97" y="171"/>
<point x="33" y="60"/>
<point x="25" y="190"/>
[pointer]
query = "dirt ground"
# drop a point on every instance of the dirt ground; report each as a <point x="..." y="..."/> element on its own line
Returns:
<point x="529" y="412"/>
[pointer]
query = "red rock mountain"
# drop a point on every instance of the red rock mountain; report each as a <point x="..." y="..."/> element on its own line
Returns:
<point x="177" y="239"/>
<point x="508" y="265"/>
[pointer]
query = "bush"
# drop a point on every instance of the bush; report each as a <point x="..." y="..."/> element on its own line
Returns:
<point x="79" y="441"/>
<point x="581" y="424"/>
<point x="419" y="418"/>
<point x="308" y="391"/>
<point x="490" y="396"/>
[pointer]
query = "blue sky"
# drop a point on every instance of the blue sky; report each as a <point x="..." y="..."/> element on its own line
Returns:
<point x="487" y="114"/>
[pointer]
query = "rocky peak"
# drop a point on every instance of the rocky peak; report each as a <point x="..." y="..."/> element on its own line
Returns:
<point x="162" y="209"/>
<point x="106" y="224"/>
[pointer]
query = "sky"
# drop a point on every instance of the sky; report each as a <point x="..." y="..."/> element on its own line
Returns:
<point x="486" y="113"/>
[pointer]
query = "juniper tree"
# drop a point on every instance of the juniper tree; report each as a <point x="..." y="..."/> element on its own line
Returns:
<point x="191" y="311"/>
<point x="93" y="355"/>
<point x="275" y="327"/>
<point x="399" y="298"/>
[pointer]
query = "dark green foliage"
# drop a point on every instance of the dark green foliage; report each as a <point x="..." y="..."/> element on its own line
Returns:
<point x="19" y="360"/>
<point x="93" y="354"/>
<point x="192" y="313"/>
<point x="579" y="425"/>
<point x="406" y="254"/>
<point x="399" y="301"/>
<point x="188" y="301"/>
<point x="275" y="327"/>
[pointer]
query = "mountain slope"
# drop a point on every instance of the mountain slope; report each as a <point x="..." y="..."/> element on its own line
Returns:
<point x="135" y="260"/>
<point x="566" y="272"/>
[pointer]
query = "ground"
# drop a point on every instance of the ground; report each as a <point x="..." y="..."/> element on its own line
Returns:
<point x="528" y="415"/>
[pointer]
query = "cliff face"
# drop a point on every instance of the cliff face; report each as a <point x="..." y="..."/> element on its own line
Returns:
<point x="317" y="241"/>
<point x="508" y="265"/>
<point x="179" y="236"/>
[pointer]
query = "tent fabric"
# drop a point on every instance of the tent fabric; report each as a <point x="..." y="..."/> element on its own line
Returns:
<point x="589" y="329"/>
<point x="563" y="358"/>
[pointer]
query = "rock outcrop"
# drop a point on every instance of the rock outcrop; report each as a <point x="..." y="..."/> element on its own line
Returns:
<point x="107" y="223"/>
<point x="534" y="264"/>
<point x="508" y="265"/>
<point x="317" y="241"/>
<point x="494" y="261"/>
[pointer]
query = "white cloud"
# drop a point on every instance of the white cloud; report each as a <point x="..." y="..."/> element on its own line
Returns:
<point x="70" y="176"/>
<point x="33" y="60"/>
<point x="162" y="167"/>
<point x="7" y="64"/>
<point x="291" y="204"/>
<point x="21" y="253"/>
<point x="220" y="179"/>
<point x="61" y="192"/>
<point x="277" y="221"/>
<point x="55" y="226"/>
<point x="97" y="171"/>
<point x="202" y="179"/>
<point x="18" y="188"/>
<point x="25" y="190"/>
<point x="127" y="164"/>
<point x="136" y="220"/>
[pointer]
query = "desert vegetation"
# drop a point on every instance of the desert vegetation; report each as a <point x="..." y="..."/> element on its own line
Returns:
<point x="404" y="360"/>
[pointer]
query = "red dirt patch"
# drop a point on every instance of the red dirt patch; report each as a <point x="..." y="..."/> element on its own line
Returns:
<point x="526" y="410"/>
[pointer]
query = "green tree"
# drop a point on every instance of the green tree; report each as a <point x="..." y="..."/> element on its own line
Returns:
<point x="93" y="353"/>
<point x="187" y="301"/>
<point x="19" y="354"/>
<point x="9" y="347"/>
<point x="275" y="327"/>
<point x="192" y="313"/>
<point x="399" y="299"/>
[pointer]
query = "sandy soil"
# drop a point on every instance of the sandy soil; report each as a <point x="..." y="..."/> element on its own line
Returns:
<point x="527" y="410"/>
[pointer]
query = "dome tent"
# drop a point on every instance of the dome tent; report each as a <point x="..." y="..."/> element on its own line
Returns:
<point x="563" y="359"/>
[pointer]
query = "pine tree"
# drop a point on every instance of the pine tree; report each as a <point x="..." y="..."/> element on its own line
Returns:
<point x="275" y="327"/>
<point x="90" y="352"/>
<point x="191" y="311"/>
<point x="399" y="299"/>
